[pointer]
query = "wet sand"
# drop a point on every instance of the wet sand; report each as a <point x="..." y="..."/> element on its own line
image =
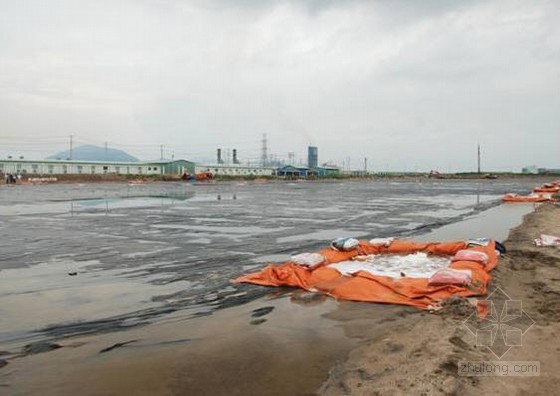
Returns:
<point x="275" y="342"/>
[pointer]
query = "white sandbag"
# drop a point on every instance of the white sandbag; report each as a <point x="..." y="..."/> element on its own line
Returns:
<point x="351" y="267"/>
<point x="478" y="242"/>
<point x="308" y="259"/>
<point x="471" y="255"/>
<point x="345" y="244"/>
<point x="381" y="241"/>
<point x="450" y="276"/>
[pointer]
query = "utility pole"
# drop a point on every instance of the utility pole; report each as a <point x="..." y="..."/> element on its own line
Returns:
<point x="365" y="165"/>
<point x="106" y="148"/>
<point x="161" y="151"/>
<point x="71" y="146"/>
<point x="264" y="150"/>
<point x="479" y="159"/>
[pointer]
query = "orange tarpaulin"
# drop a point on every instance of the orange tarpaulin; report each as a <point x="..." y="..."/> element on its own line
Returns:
<point x="363" y="286"/>
<point x="526" y="198"/>
<point x="545" y="189"/>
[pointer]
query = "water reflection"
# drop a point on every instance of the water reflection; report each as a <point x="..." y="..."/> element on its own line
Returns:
<point x="104" y="205"/>
<point x="477" y="194"/>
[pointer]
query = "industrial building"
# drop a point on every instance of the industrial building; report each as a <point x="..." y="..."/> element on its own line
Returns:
<point x="312" y="157"/>
<point x="224" y="168"/>
<point x="236" y="170"/>
<point x="71" y="167"/>
<point x="311" y="170"/>
<point x="175" y="167"/>
<point x="292" y="171"/>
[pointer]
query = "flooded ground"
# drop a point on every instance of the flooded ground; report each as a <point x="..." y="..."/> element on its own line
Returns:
<point x="90" y="266"/>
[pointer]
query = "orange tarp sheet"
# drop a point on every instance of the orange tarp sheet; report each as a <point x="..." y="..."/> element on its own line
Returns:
<point x="526" y="198"/>
<point x="363" y="286"/>
<point x="551" y="190"/>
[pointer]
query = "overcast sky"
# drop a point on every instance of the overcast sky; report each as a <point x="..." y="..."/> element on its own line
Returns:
<point x="412" y="85"/>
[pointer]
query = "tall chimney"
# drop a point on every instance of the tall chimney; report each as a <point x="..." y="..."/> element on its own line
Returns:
<point x="235" y="160"/>
<point x="220" y="160"/>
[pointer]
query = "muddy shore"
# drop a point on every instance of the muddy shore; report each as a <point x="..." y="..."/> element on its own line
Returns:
<point x="418" y="353"/>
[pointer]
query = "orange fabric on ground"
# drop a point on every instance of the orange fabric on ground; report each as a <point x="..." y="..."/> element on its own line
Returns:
<point x="526" y="198"/>
<point x="546" y="189"/>
<point x="363" y="286"/>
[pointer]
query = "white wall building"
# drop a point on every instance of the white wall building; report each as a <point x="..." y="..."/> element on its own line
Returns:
<point x="71" y="167"/>
<point x="236" y="170"/>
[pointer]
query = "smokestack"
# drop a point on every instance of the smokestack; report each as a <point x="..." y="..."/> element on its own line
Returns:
<point x="220" y="160"/>
<point x="235" y="160"/>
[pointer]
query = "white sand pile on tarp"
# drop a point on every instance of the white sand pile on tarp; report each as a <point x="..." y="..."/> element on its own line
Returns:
<point x="417" y="265"/>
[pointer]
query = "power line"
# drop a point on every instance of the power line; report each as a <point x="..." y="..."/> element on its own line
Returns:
<point x="8" y="137"/>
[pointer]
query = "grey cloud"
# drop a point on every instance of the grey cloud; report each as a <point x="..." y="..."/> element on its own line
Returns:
<point x="407" y="84"/>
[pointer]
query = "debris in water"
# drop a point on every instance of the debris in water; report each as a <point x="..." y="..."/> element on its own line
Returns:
<point x="39" y="347"/>
<point x="117" y="345"/>
<point x="261" y="312"/>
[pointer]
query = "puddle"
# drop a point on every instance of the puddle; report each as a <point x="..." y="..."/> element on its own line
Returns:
<point x="493" y="223"/>
<point x="259" y="348"/>
<point x="45" y="294"/>
<point x="85" y="206"/>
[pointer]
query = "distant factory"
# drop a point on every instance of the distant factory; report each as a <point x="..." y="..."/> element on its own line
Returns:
<point x="235" y="168"/>
<point x="267" y="166"/>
